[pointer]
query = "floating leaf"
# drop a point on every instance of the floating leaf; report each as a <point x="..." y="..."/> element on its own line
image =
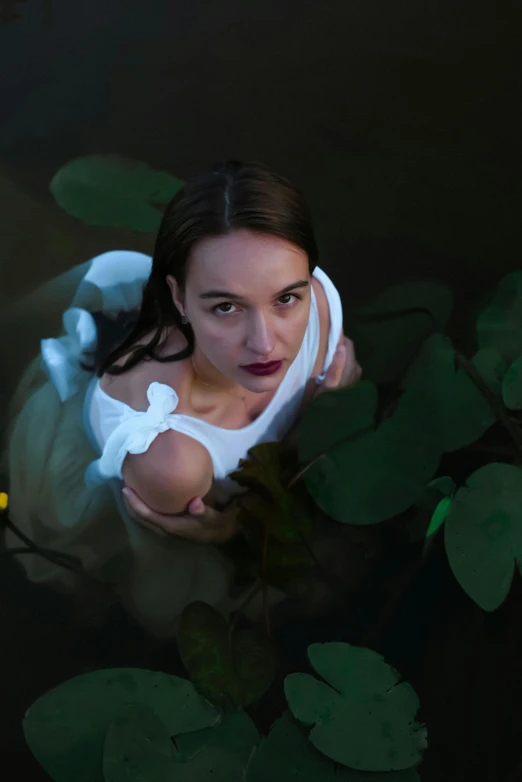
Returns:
<point x="492" y="367"/>
<point x="499" y="324"/>
<point x="402" y="317"/>
<point x="462" y="410"/>
<point x="261" y="470"/>
<point x="483" y="533"/>
<point x="378" y="473"/>
<point x="285" y="521"/>
<point x="334" y="417"/>
<point x="138" y="747"/>
<point x="113" y="190"/>
<point x="366" y="718"/>
<point x="236" y="671"/>
<point x="286" y="754"/>
<point x="284" y="514"/>
<point x="219" y="754"/>
<point x="512" y="385"/>
<point x="66" y="728"/>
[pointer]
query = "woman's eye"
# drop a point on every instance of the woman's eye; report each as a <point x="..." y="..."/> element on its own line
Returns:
<point x="224" y="304"/>
<point x="229" y="304"/>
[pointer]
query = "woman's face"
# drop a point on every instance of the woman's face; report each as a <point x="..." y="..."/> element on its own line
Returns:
<point x="235" y="305"/>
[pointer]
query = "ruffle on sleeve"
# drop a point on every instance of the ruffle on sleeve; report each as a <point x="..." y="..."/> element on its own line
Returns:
<point x="114" y="282"/>
<point x="134" y="434"/>
<point x="61" y="356"/>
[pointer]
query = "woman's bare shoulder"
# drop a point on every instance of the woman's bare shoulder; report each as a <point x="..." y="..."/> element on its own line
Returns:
<point x="170" y="473"/>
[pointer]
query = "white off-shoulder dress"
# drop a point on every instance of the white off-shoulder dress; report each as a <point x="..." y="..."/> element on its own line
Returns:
<point x="67" y="440"/>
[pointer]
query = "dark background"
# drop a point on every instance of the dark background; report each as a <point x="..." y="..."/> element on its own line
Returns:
<point x="401" y="123"/>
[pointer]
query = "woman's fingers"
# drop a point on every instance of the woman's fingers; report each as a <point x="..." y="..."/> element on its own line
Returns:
<point x="352" y="371"/>
<point x="145" y="516"/>
<point x="343" y="371"/>
<point x="200" y="523"/>
<point x="136" y="504"/>
<point x="335" y="370"/>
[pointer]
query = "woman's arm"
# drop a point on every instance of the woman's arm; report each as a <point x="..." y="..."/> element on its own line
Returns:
<point x="164" y="490"/>
<point x="174" y="469"/>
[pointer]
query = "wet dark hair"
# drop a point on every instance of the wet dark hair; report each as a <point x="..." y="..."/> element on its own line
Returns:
<point x="231" y="196"/>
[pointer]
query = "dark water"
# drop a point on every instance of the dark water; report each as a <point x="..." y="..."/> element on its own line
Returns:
<point x="400" y="121"/>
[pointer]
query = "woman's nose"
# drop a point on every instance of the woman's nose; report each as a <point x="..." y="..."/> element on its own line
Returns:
<point x="260" y="340"/>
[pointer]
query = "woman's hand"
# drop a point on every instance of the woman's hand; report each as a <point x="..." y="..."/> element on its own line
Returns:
<point x="200" y="522"/>
<point x="343" y="371"/>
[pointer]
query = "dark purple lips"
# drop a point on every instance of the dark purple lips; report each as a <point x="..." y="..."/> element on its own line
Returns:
<point x="263" y="369"/>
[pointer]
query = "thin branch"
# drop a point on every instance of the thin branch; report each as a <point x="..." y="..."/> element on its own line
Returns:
<point x="264" y="585"/>
<point x="19" y="534"/>
<point x="56" y="557"/>
<point x="40" y="552"/>
<point x="247" y="599"/>
<point x="497" y="407"/>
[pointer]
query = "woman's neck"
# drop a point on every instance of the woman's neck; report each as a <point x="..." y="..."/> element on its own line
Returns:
<point x="206" y="374"/>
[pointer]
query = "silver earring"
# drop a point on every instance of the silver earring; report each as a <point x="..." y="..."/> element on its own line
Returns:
<point x="184" y="319"/>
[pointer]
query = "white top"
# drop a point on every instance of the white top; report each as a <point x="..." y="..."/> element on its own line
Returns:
<point x="116" y="429"/>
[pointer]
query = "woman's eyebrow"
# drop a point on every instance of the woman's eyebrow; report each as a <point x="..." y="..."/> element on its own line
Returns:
<point x="215" y="294"/>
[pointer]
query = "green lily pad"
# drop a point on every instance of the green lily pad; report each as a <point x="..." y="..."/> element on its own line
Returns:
<point x="227" y="671"/>
<point x="261" y="469"/>
<point x="512" y="386"/>
<point x="395" y="324"/>
<point x="334" y="417"/>
<point x="463" y="412"/>
<point x="363" y="718"/>
<point x="219" y="754"/>
<point x="283" y="513"/>
<point x="483" y="533"/>
<point x="286" y="754"/>
<point x="111" y="190"/>
<point x="66" y="728"/>
<point x="138" y="747"/>
<point x="499" y="324"/>
<point x="373" y="474"/>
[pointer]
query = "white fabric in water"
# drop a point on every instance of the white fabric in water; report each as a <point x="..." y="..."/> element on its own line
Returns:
<point x="52" y="446"/>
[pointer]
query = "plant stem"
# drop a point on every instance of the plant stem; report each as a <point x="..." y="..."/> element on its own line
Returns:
<point x="56" y="557"/>
<point x="497" y="407"/>
<point x="264" y="585"/>
<point x="35" y="547"/>
<point x="254" y="589"/>
<point x="38" y="551"/>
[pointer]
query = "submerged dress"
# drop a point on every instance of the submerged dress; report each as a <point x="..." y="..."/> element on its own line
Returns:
<point x="67" y="440"/>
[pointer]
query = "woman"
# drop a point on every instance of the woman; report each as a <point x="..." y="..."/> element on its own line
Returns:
<point x="166" y="413"/>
